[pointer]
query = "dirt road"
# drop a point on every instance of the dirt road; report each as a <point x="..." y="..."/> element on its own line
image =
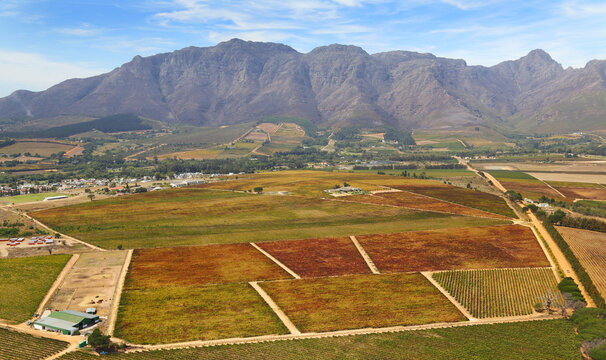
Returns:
<point x="113" y="314"/>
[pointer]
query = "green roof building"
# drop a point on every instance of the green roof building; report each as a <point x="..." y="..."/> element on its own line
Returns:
<point x="66" y="322"/>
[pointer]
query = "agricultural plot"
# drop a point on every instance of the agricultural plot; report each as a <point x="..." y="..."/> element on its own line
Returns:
<point x="501" y="292"/>
<point x="42" y="148"/>
<point x="538" y="340"/>
<point x="184" y="313"/>
<point x="200" y="265"/>
<point x="91" y="282"/>
<point x="590" y="248"/>
<point x="19" y="199"/>
<point x="19" y="346"/>
<point x="413" y="201"/>
<point x="337" y="303"/>
<point x="195" y="216"/>
<point x="285" y="138"/>
<point x="25" y="282"/>
<point x="318" y="257"/>
<point x="466" y="248"/>
<point x="524" y="184"/>
<point x="580" y="190"/>
<point x="471" y="198"/>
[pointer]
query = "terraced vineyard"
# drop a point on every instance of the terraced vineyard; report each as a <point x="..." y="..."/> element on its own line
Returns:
<point x="18" y="346"/>
<point x="500" y="292"/>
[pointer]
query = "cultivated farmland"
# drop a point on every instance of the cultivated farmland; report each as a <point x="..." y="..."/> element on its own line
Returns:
<point x="410" y="200"/>
<point x="318" y="257"/>
<point x="349" y="302"/>
<point x="525" y="184"/>
<point x="537" y="340"/>
<point x="19" y="346"/>
<point x="200" y="265"/>
<point x="590" y="248"/>
<point x="466" y="248"/>
<point x="580" y="190"/>
<point x="25" y="282"/>
<point x="194" y="216"/>
<point x="500" y="292"/>
<point x="183" y="313"/>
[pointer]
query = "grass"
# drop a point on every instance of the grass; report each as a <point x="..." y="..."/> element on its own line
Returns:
<point x="200" y="265"/>
<point x="501" y="292"/>
<point x="318" y="257"/>
<point x="337" y="303"/>
<point x="42" y="148"/>
<point x="19" y="199"/>
<point x="25" y="282"/>
<point x="537" y="340"/>
<point x="195" y="216"/>
<point x="465" y="248"/>
<point x="431" y="173"/>
<point x="177" y="314"/>
<point x="15" y="345"/>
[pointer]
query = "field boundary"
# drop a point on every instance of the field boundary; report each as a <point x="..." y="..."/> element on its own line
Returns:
<point x="58" y="281"/>
<point x="458" y="305"/>
<point x="551" y="187"/>
<point x="371" y="265"/>
<point x="278" y="262"/>
<point x="275" y="308"/>
<point x="113" y="313"/>
<point x="548" y="255"/>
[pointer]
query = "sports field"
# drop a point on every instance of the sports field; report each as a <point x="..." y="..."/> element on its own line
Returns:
<point x="537" y="340"/>
<point x="318" y="257"/>
<point x="25" y="282"/>
<point x="360" y="301"/>
<point x="194" y="216"/>
<point x="466" y="248"/>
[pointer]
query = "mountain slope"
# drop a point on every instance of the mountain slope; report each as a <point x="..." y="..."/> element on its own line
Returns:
<point x="238" y="81"/>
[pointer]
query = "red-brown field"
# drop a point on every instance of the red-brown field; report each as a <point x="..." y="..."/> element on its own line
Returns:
<point x="268" y="127"/>
<point x="582" y="192"/>
<point x="472" y="198"/>
<point x="318" y="257"/>
<point x="419" y="202"/>
<point x="530" y="189"/>
<point x="199" y="265"/>
<point x="508" y="246"/>
<point x="337" y="303"/>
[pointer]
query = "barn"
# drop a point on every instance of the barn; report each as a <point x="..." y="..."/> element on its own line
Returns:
<point x="66" y="322"/>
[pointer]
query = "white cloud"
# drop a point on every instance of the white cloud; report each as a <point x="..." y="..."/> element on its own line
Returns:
<point x="83" y="30"/>
<point x="20" y="70"/>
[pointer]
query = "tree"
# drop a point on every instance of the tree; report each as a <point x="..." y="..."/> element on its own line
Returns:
<point x="557" y="216"/>
<point x="99" y="341"/>
<point x="258" y="189"/>
<point x="91" y="196"/>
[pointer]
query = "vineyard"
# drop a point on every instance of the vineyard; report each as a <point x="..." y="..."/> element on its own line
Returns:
<point x="18" y="346"/>
<point x="590" y="249"/>
<point x="500" y="292"/>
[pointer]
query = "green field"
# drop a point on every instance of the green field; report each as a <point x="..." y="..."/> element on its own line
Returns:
<point x="189" y="216"/>
<point x="19" y="346"/>
<point x="360" y="301"/>
<point x="184" y="313"/>
<point x="25" y="282"/>
<point x="500" y="292"/>
<point x="536" y="340"/>
<point x="18" y="199"/>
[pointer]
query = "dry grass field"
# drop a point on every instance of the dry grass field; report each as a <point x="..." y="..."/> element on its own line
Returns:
<point x="195" y="216"/>
<point x="590" y="248"/>
<point x="318" y="257"/>
<point x="42" y="148"/>
<point x="285" y="138"/>
<point x="410" y="200"/>
<point x="185" y="313"/>
<point x="466" y="248"/>
<point x="500" y="292"/>
<point x="336" y="303"/>
<point x="200" y="265"/>
<point x="269" y="128"/>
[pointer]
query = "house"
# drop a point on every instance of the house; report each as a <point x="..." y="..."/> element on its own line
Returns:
<point x="66" y="322"/>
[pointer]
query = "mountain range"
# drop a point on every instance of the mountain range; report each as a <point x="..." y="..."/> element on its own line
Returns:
<point x="338" y="85"/>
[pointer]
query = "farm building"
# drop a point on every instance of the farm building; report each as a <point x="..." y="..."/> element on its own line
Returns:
<point x="58" y="197"/>
<point x="66" y="322"/>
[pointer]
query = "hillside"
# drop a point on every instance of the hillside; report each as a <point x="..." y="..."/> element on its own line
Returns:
<point x="238" y="81"/>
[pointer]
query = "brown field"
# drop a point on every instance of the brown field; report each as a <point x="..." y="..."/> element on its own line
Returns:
<point x="360" y="301"/>
<point x="507" y="246"/>
<point x="256" y="136"/>
<point x="379" y="136"/>
<point x="318" y="257"/>
<point x="91" y="282"/>
<point x="198" y="154"/>
<point x="572" y="191"/>
<point x="187" y="313"/>
<point x="578" y="177"/>
<point x="199" y="265"/>
<point x="590" y="249"/>
<point x="268" y="127"/>
<point x="43" y="148"/>
<point x="471" y="198"/>
<point x="530" y="189"/>
<point x="418" y="202"/>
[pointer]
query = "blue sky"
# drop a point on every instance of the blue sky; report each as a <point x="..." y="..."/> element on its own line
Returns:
<point x="43" y="42"/>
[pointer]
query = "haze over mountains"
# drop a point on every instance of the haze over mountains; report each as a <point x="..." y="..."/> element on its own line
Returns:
<point x="237" y="81"/>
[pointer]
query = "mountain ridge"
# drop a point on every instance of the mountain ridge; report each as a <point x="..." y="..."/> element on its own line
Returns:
<point x="337" y="85"/>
